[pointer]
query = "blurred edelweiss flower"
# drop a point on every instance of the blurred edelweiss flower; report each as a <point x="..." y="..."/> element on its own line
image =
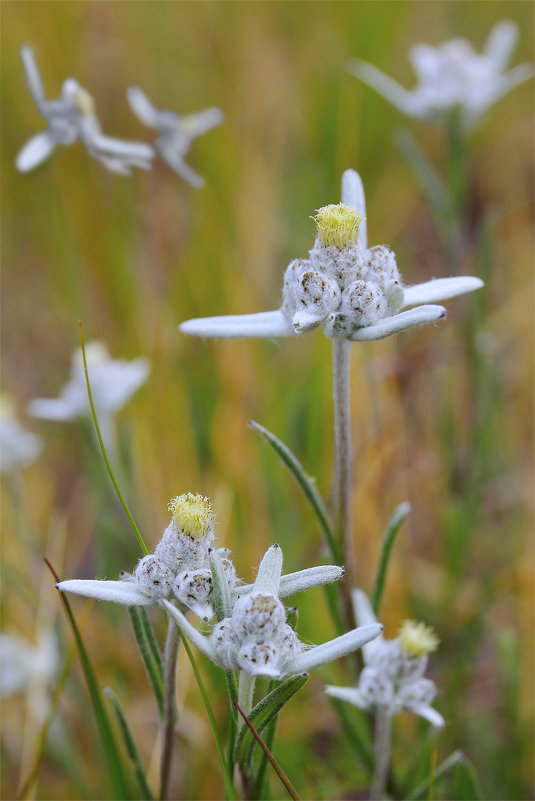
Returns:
<point x="20" y="661"/>
<point x="71" y="117"/>
<point x="393" y="676"/>
<point x="113" y="382"/>
<point x="351" y="291"/>
<point x="18" y="447"/>
<point x="451" y="76"/>
<point x="256" y="639"/>
<point x="176" y="131"/>
<point x="180" y="566"/>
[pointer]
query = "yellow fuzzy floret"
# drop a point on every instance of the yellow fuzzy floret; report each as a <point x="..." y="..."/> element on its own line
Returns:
<point x="338" y="225"/>
<point x="417" y="639"/>
<point x="192" y="513"/>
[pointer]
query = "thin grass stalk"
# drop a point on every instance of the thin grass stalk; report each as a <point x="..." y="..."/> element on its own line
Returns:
<point x="169" y="706"/>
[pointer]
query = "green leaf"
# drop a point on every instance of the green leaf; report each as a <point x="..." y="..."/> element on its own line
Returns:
<point x="150" y="653"/>
<point x="105" y="455"/>
<point x="454" y="759"/>
<point x="356" y="730"/>
<point x="292" y="792"/>
<point x="264" y="712"/>
<point x="113" y="757"/>
<point x="223" y="603"/>
<point x="307" y="485"/>
<point x="465" y="784"/>
<point x="399" y="514"/>
<point x="130" y="745"/>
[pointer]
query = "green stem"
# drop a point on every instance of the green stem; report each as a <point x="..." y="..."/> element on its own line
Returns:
<point x="383" y="730"/>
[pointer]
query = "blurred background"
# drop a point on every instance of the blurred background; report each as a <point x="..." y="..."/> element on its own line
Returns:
<point x="442" y="415"/>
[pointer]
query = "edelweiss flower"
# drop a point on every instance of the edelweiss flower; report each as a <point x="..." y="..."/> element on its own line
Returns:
<point x="18" y="447"/>
<point x="113" y="382"/>
<point x="180" y="566"/>
<point x="71" y="117"/>
<point x="20" y="661"/>
<point x="351" y="291"/>
<point x="256" y="639"/>
<point x="393" y="675"/>
<point x="176" y="131"/>
<point x="452" y="76"/>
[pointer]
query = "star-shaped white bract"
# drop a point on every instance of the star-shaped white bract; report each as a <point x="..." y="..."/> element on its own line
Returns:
<point x="71" y="117"/>
<point x="452" y="76"/>
<point x="18" y="447"/>
<point x="113" y="382"/>
<point x="393" y="676"/>
<point x="180" y="567"/>
<point x="176" y="131"/>
<point x="255" y="637"/>
<point x="348" y="289"/>
<point x="21" y="662"/>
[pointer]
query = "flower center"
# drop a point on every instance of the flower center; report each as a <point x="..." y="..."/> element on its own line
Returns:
<point x="192" y="513"/>
<point x="417" y="639"/>
<point x="337" y="225"/>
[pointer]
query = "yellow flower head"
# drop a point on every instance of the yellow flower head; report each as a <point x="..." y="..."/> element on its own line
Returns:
<point x="338" y="225"/>
<point x="84" y="102"/>
<point x="192" y="513"/>
<point x="417" y="639"/>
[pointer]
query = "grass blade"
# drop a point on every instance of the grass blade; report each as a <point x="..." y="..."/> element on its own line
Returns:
<point x="292" y="792"/>
<point x="264" y="712"/>
<point x="307" y="485"/>
<point x="229" y="789"/>
<point x="399" y="514"/>
<point x="456" y="758"/>
<point x="104" y="454"/>
<point x="150" y="653"/>
<point x="113" y="757"/>
<point x="130" y="745"/>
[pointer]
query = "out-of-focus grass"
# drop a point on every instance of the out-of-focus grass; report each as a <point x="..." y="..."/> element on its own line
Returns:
<point x="133" y="256"/>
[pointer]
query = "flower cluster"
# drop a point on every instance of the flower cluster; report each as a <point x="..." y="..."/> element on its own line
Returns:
<point x="18" y="447"/>
<point x="176" y="131"/>
<point x="352" y="291"/>
<point x="71" y="117"/>
<point x="254" y="636"/>
<point x="393" y="676"/>
<point x="452" y="76"/>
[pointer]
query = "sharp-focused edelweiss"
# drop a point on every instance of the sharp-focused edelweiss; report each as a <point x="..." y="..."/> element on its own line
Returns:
<point x="349" y="290"/>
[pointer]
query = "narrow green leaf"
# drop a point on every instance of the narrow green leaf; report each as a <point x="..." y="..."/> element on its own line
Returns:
<point x="130" y="745"/>
<point x="105" y="455"/>
<point x="115" y="764"/>
<point x="292" y="792"/>
<point x="265" y="711"/>
<point x="419" y="792"/>
<point x="153" y="664"/>
<point x="307" y="485"/>
<point x="229" y="789"/>
<point x="223" y="603"/>
<point x="465" y="783"/>
<point x="261" y="772"/>
<point x="399" y="514"/>
<point x="356" y="730"/>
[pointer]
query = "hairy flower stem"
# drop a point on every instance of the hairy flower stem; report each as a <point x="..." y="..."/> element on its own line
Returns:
<point x="169" y="706"/>
<point x="246" y="686"/>
<point x="383" y="729"/>
<point x="343" y="470"/>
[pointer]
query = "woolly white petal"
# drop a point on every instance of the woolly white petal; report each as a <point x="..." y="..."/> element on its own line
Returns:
<point x="348" y="694"/>
<point x="174" y="160"/>
<point x="201" y="122"/>
<point x="365" y="616"/>
<point x="34" y="152"/>
<point x="353" y="195"/>
<point x="399" y="322"/>
<point x="141" y="106"/>
<point x="198" y="639"/>
<point x="429" y="713"/>
<point x="500" y="43"/>
<point x="269" y="571"/>
<point x="118" y="147"/>
<point x="292" y="583"/>
<point x="396" y="94"/>
<point x="119" y="592"/>
<point x="440" y="289"/>
<point x="240" y="326"/>
<point x="61" y="409"/>
<point x="334" y="649"/>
